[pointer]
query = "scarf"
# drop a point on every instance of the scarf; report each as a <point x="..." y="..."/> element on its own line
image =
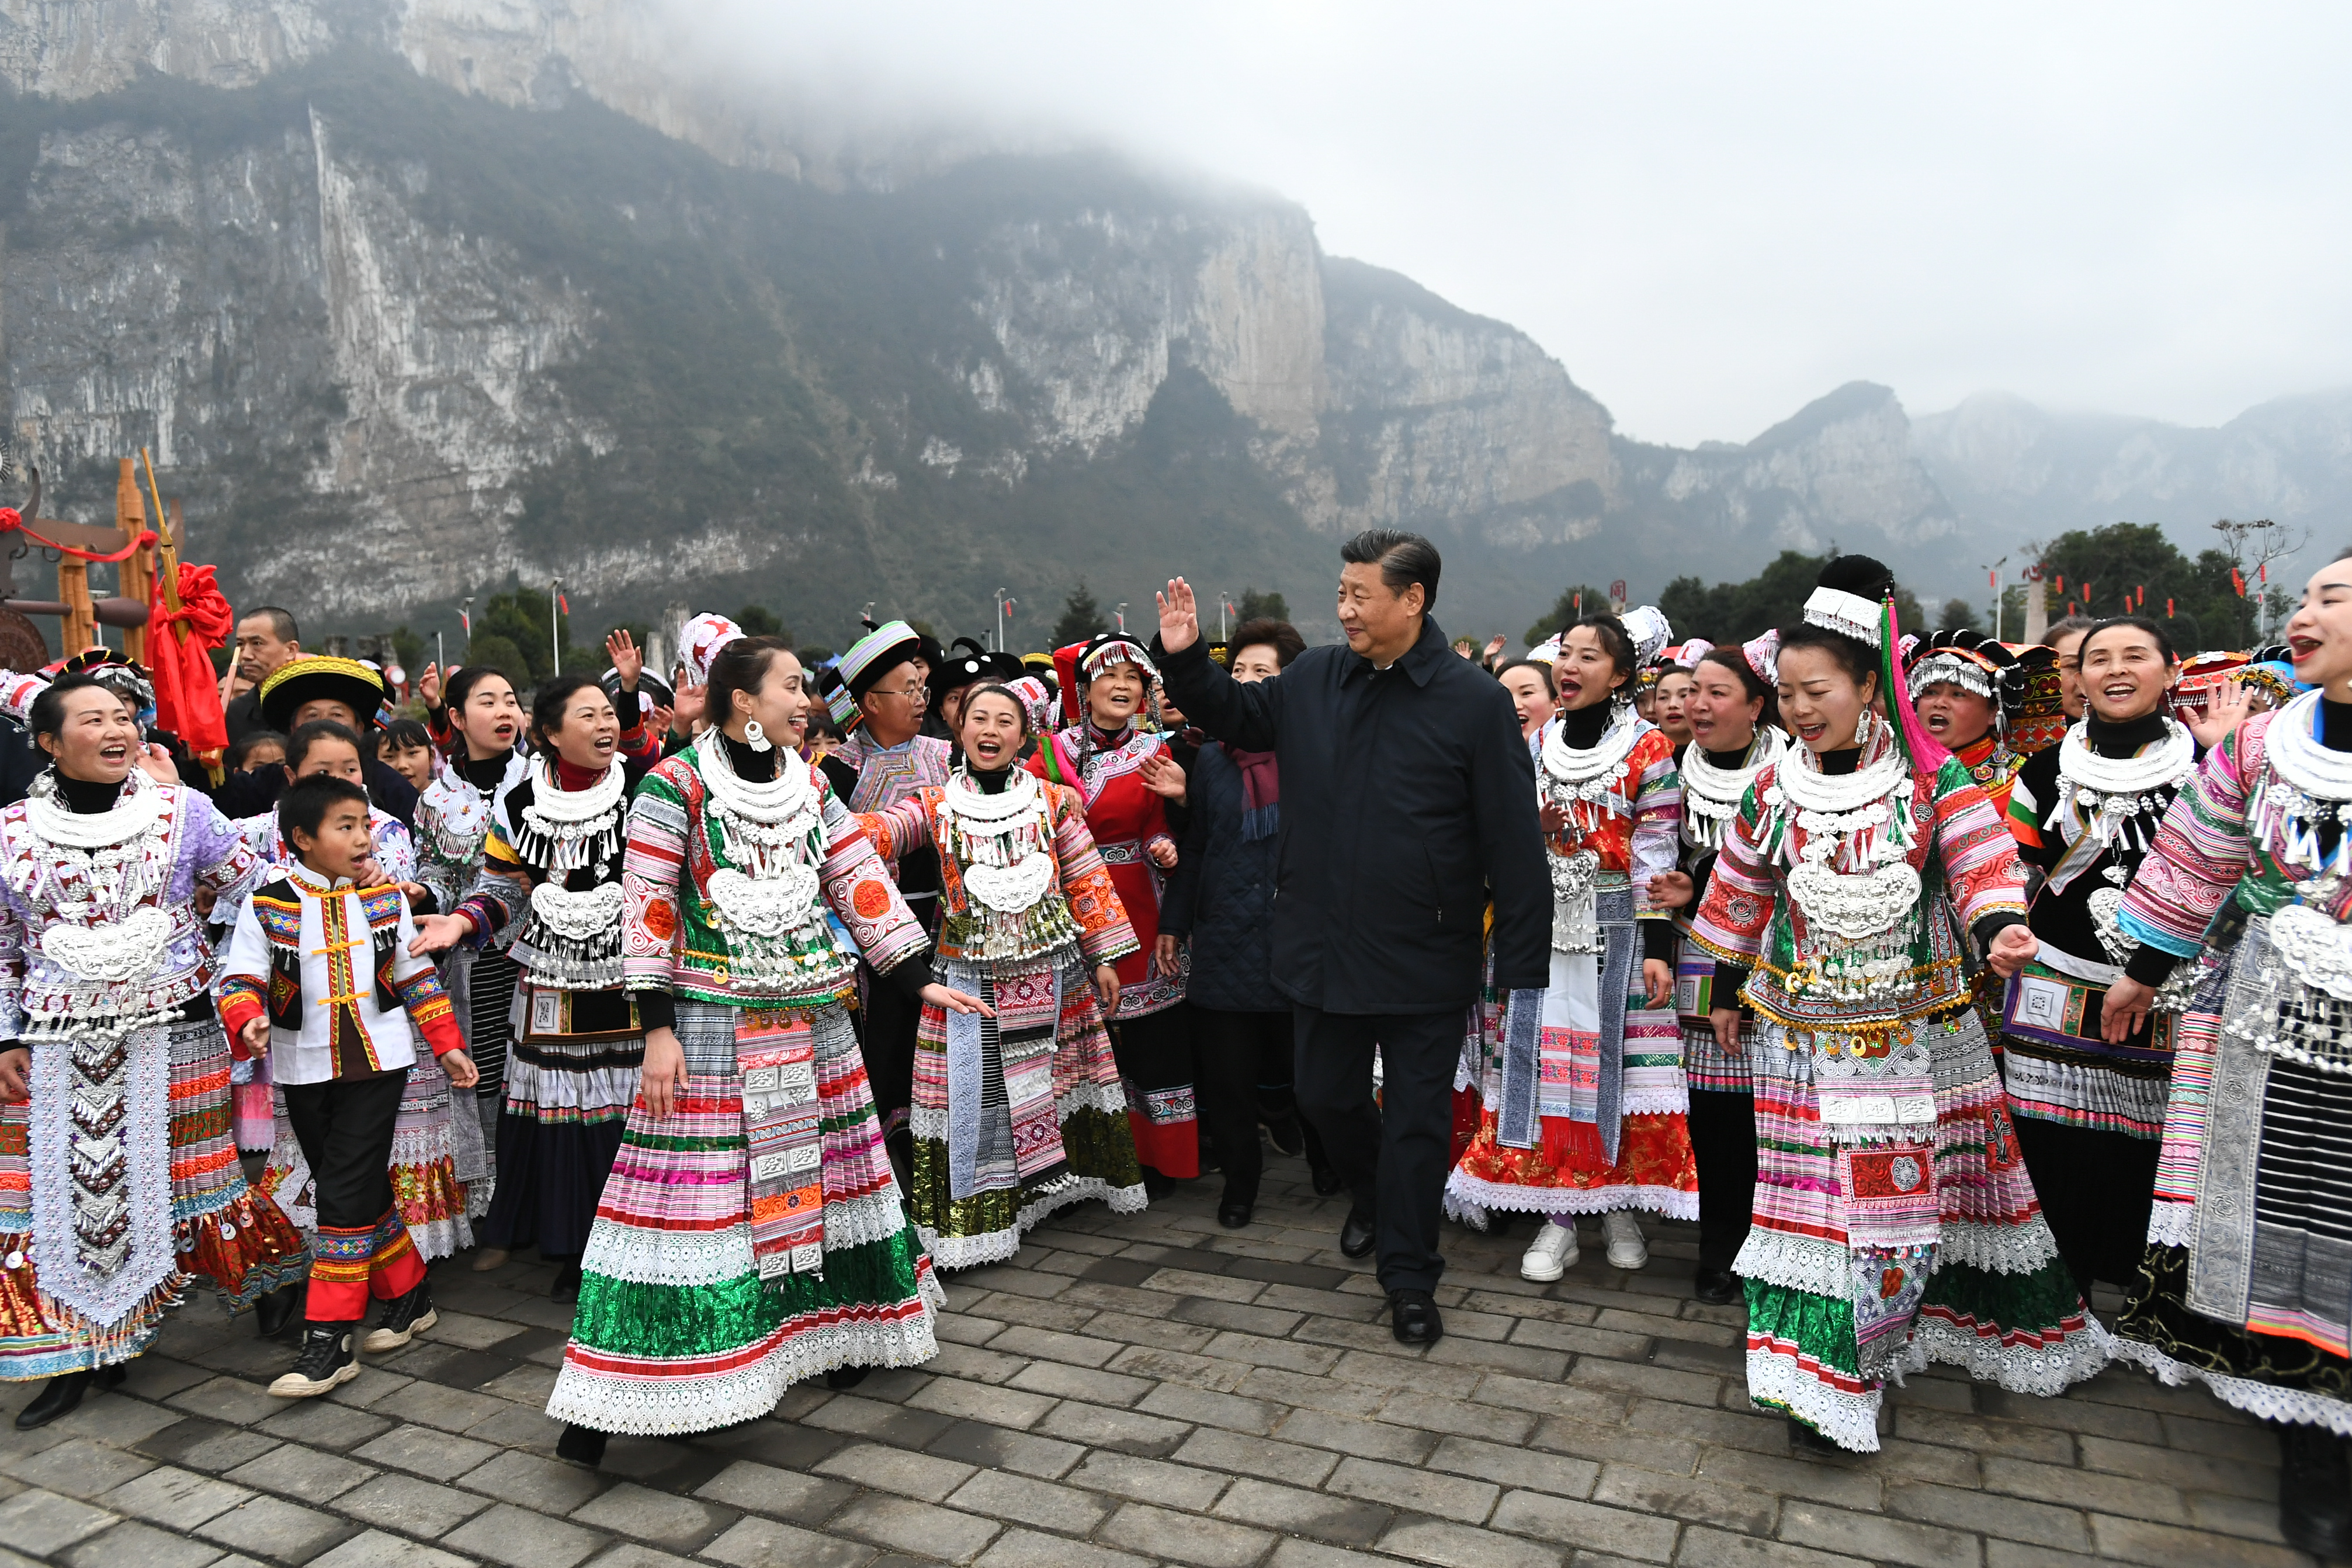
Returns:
<point x="1261" y="794"/>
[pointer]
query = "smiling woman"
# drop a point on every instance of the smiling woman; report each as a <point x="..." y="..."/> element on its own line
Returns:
<point x="1880" y="1120"/>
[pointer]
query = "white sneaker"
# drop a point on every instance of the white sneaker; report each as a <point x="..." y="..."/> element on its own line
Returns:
<point x="1551" y="1254"/>
<point x="1626" y="1248"/>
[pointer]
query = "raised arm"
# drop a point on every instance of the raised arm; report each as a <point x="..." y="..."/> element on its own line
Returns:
<point x="1248" y="715"/>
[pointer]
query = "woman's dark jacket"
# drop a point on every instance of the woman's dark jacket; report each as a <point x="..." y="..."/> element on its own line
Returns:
<point x="1221" y="895"/>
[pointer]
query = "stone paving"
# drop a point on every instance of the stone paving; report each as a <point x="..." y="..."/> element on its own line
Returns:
<point x="1140" y="1390"/>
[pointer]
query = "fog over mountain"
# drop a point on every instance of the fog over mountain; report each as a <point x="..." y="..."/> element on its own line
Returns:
<point x="414" y="296"/>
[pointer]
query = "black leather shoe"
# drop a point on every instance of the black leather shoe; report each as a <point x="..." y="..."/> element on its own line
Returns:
<point x="1327" y="1181"/>
<point x="843" y="1377"/>
<point x="62" y="1396"/>
<point x="1804" y="1439"/>
<point x="1234" y="1209"/>
<point x="566" y="1288"/>
<point x="2315" y="1492"/>
<point x="580" y="1445"/>
<point x="1412" y="1317"/>
<point x="274" y="1311"/>
<point x="1356" y="1236"/>
<point x="1716" y="1287"/>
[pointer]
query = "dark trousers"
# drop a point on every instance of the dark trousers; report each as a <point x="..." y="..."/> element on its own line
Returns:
<point x="1246" y="1073"/>
<point x="2096" y="1189"/>
<point x="345" y="1128"/>
<point x="889" y="1044"/>
<point x="1723" y="1137"/>
<point x="1394" y="1156"/>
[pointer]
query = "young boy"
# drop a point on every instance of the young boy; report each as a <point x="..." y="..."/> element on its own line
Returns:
<point x="319" y="977"/>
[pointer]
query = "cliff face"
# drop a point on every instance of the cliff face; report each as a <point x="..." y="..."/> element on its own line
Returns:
<point x="412" y="297"/>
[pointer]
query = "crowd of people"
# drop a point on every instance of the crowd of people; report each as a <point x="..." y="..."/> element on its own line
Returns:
<point x="1939" y="980"/>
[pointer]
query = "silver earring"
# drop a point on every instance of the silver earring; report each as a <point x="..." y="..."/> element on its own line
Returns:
<point x="757" y="738"/>
<point x="1864" y="727"/>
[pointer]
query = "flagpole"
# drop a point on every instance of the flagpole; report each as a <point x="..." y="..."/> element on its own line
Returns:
<point x="555" y="620"/>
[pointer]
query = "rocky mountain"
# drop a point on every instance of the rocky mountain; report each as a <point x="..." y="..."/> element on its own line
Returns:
<point x="414" y="298"/>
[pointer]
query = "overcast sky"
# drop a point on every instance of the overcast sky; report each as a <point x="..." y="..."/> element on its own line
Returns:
<point x="1714" y="214"/>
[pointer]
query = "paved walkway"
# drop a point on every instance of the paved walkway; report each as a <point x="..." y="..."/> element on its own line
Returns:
<point x="1148" y="1389"/>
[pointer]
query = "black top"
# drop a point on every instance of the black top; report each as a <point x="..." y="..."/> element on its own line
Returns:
<point x="1406" y="794"/>
<point x="1221" y="895"/>
<point x="2062" y="916"/>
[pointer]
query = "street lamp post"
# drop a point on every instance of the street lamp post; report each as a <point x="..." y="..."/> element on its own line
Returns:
<point x="1999" y="595"/>
<point x="1121" y="614"/>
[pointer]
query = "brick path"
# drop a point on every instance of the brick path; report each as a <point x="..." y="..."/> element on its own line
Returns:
<point x="1140" y="1390"/>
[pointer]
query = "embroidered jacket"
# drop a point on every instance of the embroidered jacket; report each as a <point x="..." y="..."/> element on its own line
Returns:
<point x="192" y="846"/>
<point x="330" y="968"/>
<point x="1640" y="834"/>
<point x="2204" y="852"/>
<point x="671" y="939"/>
<point x="453" y="821"/>
<point x="1126" y="819"/>
<point x="1079" y="903"/>
<point x="1966" y="862"/>
<point x="1994" y="768"/>
<point x="516" y="862"/>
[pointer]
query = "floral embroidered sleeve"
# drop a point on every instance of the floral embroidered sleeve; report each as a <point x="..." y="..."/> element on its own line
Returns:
<point x="501" y="887"/>
<point x="223" y="861"/>
<point x="395" y="851"/>
<point x="857" y="886"/>
<point x="1657" y="820"/>
<point x="244" y="974"/>
<point x="896" y="829"/>
<point x="1741" y="890"/>
<point x="1104" y="934"/>
<point x="1977" y="852"/>
<point x="653" y="869"/>
<point x="2201" y="850"/>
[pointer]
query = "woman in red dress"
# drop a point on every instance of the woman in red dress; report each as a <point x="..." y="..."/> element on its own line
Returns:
<point x="1125" y="775"/>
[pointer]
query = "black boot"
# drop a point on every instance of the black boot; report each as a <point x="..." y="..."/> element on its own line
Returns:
<point x="1327" y="1180"/>
<point x="62" y="1396"/>
<point x="581" y="1444"/>
<point x="566" y="1288"/>
<point x="1715" y="1286"/>
<point x="277" y="1310"/>
<point x="329" y="1357"/>
<point x="843" y="1377"/>
<point x="2315" y="1492"/>
<point x="1236" y="1209"/>
<point x="405" y="1318"/>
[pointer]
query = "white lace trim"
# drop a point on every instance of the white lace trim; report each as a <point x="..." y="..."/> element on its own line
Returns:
<point x="1804" y="1263"/>
<point x="1849" y="1420"/>
<point x="552" y="803"/>
<point x="638" y="1255"/>
<point x="996" y="1246"/>
<point x="2171" y="1224"/>
<point x="659" y="1405"/>
<point x="857" y="1221"/>
<point x="1465" y="1191"/>
<point x="1997" y="1248"/>
<point x="1673" y="1101"/>
<point x="143" y="1184"/>
<point x="2263" y="1400"/>
<point x="2046" y="1370"/>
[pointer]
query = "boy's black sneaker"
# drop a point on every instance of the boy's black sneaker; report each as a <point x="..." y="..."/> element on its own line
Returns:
<point x="327" y="1359"/>
<point x="405" y="1318"/>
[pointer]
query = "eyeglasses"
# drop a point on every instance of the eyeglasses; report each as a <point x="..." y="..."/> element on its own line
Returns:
<point x="910" y="693"/>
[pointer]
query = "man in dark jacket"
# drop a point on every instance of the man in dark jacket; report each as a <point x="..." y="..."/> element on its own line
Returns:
<point x="1407" y="793"/>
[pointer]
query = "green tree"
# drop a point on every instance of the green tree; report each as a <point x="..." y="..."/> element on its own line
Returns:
<point x="519" y="617"/>
<point x="1576" y="599"/>
<point x="1269" y="606"/>
<point x="1081" y="617"/>
<point x="759" y="621"/>
<point x="1958" y="612"/>
<point x="2101" y="570"/>
<point x="1735" y="612"/>
<point x="409" y="649"/>
<point x="501" y="654"/>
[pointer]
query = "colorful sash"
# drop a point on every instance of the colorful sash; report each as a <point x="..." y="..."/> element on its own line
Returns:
<point x="2061" y="1013"/>
<point x="1892" y="1226"/>
<point x="1003" y="1126"/>
<point x="776" y="1054"/>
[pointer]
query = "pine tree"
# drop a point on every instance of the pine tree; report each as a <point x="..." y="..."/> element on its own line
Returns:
<point x="1081" y="617"/>
<point x="1269" y="606"/>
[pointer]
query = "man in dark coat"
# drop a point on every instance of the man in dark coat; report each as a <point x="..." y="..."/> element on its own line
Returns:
<point x="1408" y="794"/>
